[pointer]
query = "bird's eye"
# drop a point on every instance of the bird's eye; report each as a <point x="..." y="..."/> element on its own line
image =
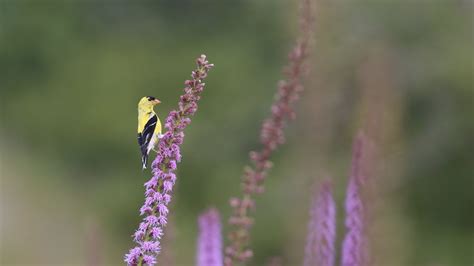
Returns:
<point x="151" y="98"/>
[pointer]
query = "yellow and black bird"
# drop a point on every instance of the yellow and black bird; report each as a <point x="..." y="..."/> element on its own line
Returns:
<point x="149" y="127"/>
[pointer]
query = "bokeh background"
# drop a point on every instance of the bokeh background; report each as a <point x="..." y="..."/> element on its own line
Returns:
<point x="73" y="71"/>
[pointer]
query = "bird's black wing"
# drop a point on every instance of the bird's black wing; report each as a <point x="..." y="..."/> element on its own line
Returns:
<point x="144" y="138"/>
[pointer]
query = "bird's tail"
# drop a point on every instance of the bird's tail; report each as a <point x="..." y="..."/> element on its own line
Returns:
<point x="144" y="161"/>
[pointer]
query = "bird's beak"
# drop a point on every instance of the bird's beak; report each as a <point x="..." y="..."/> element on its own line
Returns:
<point x="156" y="101"/>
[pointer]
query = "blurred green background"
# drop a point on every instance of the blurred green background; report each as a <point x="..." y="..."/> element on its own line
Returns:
<point x="72" y="73"/>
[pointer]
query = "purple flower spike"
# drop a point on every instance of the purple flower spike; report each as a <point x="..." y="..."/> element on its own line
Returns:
<point x="354" y="248"/>
<point x="209" y="246"/>
<point x="209" y="249"/>
<point x="237" y="252"/>
<point x="159" y="188"/>
<point x="322" y="229"/>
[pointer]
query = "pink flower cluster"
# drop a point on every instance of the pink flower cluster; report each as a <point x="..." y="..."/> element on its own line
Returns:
<point x="320" y="243"/>
<point x="209" y="246"/>
<point x="271" y="136"/>
<point x="355" y="246"/>
<point x="321" y="237"/>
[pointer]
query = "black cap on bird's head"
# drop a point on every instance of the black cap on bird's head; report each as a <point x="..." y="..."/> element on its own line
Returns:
<point x="147" y="102"/>
<point x="153" y="100"/>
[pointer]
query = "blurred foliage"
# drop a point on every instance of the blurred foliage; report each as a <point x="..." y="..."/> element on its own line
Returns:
<point x="73" y="71"/>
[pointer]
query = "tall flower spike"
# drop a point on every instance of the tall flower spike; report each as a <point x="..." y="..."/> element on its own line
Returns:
<point x="209" y="246"/>
<point x="354" y="247"/>
<point x="271" y="136"/>
<point x="158" y="189"/>
<point x="321" y="238"/>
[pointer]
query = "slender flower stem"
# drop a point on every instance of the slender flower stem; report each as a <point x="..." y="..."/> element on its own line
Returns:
<point x="209" y="247"/>
<point x="321" y="238"/>
<point x="272" y="135"/>
<point x="354" y="248"/>
<point x="158" y="189"/>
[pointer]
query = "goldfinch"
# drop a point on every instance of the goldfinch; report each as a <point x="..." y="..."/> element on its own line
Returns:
<point x="149" y="127"/>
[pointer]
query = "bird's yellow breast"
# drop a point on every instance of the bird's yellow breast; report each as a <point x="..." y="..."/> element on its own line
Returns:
<point x="158" y="126"/>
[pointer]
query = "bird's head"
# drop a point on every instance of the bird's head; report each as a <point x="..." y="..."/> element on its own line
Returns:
<point x="146" y="103"/>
